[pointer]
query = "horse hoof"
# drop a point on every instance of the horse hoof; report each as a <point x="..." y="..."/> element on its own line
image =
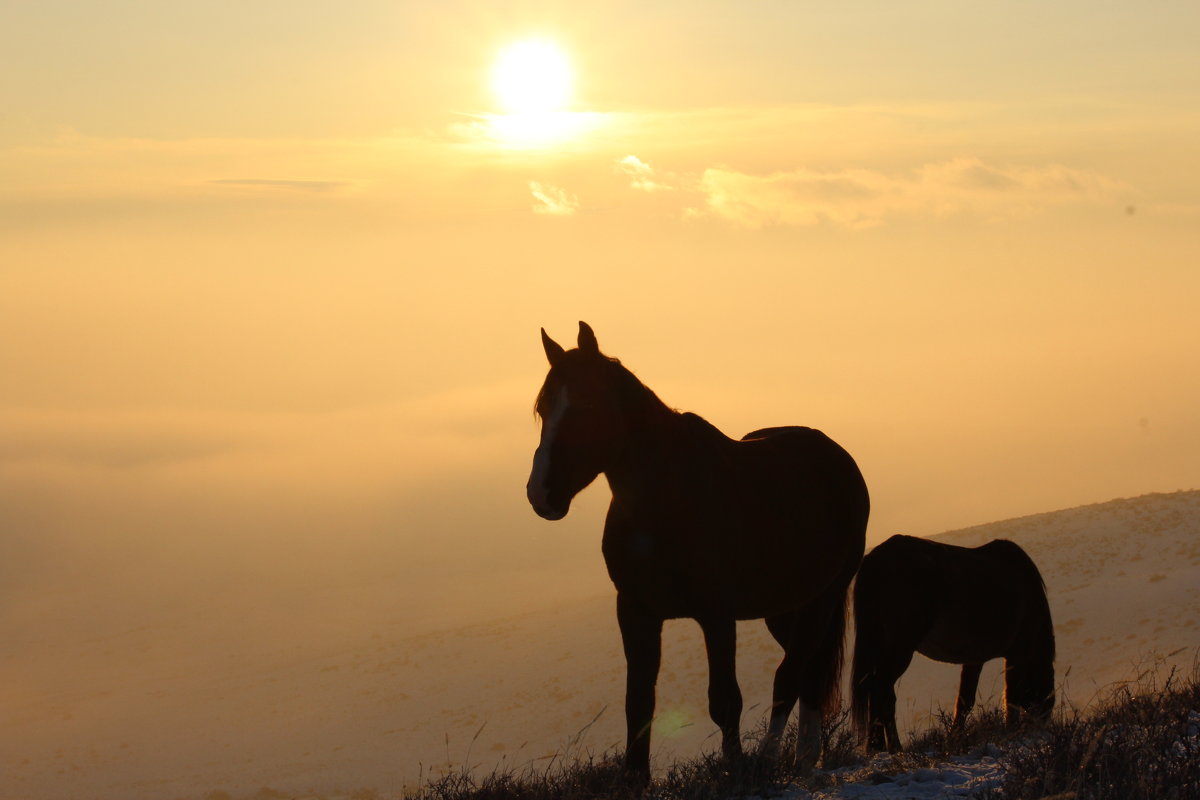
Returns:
<point x="768" y="752"/>
<point x="806" y="763"/>
<point x="636" y="777"/>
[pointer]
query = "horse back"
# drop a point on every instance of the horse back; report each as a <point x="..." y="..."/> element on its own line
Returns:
<point x="803" y="473"/>
<point x="747" y="528"/>
<point x="1011" y="553"/>
<point x="951" y="603"/>
<point x="797" y="452"/>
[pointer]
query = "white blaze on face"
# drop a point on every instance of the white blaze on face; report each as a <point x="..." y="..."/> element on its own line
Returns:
<point x="538" y="489"/>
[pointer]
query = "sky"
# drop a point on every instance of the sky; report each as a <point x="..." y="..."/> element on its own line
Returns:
<point x="272" y="274"/>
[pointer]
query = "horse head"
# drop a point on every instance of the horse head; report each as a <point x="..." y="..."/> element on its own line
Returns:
<point x="1029" y="688"/>
<point x="582" y="423"/>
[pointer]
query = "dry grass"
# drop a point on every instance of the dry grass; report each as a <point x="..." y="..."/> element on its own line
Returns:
<point x="587" y="776"/>
<point x="1141" y="742"/>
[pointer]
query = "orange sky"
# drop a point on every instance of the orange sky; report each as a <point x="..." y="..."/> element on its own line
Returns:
<point x="270" y="285"/>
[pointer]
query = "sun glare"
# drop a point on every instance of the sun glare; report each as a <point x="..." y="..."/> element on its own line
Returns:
<point x="532" y="77"/>
<point x="532" y="81"/>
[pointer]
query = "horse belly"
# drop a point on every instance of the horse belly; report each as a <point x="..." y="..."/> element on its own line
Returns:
<point x="960" y="643"/>
<point x="727" y="557"/>
<point x="681" y="588"/>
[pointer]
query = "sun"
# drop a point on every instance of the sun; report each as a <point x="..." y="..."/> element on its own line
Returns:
<point x="531" y="77"/>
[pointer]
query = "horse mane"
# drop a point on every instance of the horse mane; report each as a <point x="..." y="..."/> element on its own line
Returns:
<point x="1017" y="555"/>
<point x="632" y="394"/>
<point x="539" y="403"/>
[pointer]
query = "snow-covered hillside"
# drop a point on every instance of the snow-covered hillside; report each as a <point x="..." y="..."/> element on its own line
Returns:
<point x="131" y="718"/>
<point x="1123" y="579"/>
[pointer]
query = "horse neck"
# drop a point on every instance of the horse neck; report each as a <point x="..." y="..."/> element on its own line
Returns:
<point x="657" y="450"/>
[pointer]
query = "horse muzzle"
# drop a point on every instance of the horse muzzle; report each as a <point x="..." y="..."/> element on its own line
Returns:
<point x="543" y="506"/>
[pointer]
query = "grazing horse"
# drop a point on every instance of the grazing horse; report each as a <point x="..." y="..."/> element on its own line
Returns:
<point x="710" y="528"/>
<point x="961" y="605"/>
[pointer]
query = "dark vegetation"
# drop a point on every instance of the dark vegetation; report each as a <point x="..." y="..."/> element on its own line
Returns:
<point x="1142" y="741"/>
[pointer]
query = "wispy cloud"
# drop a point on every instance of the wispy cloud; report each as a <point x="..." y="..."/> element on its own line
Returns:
<point x="641" y="175"/>
<point x="113" y="440"/>
<point x="863" y="197"/>
<point x="299" y="186"/>
<point x="552" y="201"/>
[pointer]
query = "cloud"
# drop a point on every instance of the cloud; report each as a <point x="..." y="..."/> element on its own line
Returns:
<point x="552" y="200"/>
<point x="863" y="197"/>
<point x="113" y="440"/>
<point x="302" y="186"/>
<point x="641" y="175"/>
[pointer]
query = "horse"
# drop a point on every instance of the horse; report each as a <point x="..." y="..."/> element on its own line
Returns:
<point x="705" y="527"/>
<point x="961" y="605"/>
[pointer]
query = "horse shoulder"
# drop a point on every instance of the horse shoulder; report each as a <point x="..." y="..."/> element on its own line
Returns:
<point x="628" y="545"/>
<point x="698" y="431"/>
<point x="912" y="571"/>
<point x="781" y="430"/>
<point x="902" y="555"/>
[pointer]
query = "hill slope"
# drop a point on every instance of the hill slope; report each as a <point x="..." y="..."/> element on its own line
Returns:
<point x="382" y="710"/>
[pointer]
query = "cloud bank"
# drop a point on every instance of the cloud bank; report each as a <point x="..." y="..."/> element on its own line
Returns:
<point x="863" y="197"/>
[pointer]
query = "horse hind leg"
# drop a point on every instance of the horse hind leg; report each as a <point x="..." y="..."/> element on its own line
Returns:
<point x="968" y="685"/>
<point x="724" y="695"/>
<point x="810" y="672"/>
<point x="809" y="716"/>
<point x="786" y="690"/>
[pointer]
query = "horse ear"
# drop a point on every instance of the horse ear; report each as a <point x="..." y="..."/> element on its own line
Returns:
<point x="554" y="350"/>
<point x="587" y="339"/>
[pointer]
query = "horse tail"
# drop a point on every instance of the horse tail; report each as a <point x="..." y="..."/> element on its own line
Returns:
<point x="867" y="638"/>
<point x="825" y="671"/>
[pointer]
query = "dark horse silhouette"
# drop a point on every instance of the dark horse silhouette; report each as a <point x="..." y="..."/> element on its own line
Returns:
<point x="962" y="605"/>
<point x="709" y="528"/>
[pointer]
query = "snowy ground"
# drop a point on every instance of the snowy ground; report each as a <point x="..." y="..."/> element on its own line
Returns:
<point x="966" y="776"/>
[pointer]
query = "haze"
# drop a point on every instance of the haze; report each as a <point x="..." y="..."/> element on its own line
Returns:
<point x="271" y="278"/>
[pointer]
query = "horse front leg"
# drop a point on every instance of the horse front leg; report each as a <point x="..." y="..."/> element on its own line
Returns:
<point x="724" y="694"/>
<point x="883" y="699"/>
<point x="641" y="637"/>
<point x="968" y="685"/>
